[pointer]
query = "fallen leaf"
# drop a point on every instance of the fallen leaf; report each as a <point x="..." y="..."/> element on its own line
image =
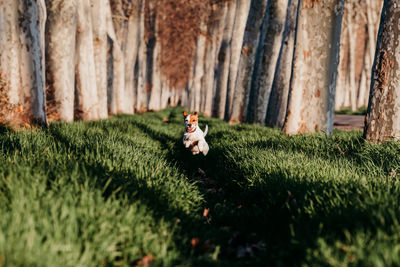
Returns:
<point x="352" y="259"/>
<point x="146" y="261"/>
<point x="205" y="212"/>
<point x="194" y="242"/>
<point x="165" y="120"/>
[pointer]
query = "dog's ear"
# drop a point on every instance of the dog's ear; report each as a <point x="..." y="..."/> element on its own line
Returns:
<point x="195" y="113"/>
<point x="185" y="114"/>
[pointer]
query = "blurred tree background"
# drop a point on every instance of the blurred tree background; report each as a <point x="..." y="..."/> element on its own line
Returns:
<point x="284" y="63"/>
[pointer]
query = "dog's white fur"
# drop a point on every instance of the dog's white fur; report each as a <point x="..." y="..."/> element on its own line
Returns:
<point x="194" y="137"/>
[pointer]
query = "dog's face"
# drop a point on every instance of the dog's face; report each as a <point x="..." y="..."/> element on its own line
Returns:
<point x="191" y="121"/>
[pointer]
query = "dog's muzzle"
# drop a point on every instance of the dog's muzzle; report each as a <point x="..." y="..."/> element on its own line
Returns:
<point x="190" y="128"/>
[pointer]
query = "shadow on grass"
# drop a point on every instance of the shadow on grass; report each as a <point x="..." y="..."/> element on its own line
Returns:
<point x="3" y="129"/>
<point x="264" y="213"/>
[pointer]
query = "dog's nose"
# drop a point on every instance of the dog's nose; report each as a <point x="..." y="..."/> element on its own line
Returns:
<point x="190" y="125"/>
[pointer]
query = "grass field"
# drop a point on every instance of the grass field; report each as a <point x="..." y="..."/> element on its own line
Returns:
<point x="124" y="192"/>
<point x="348" y="111"/>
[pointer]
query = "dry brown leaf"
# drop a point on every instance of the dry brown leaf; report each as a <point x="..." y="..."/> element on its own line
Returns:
<point x="205" y="212"/>
<point x="146" y="261"/>
<point x="194" y="242"/>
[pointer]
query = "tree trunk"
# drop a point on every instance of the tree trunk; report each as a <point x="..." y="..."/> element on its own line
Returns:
<point x="115" y="70"/>
<point x="141" y="92"/>
<point x="362" y="91"/>
<point x="131" y="44"/>
<point x="60" y="61"/>
<point x="99" y="22"/>
<point x="312" y="92"/>
<point x="198" y="71"/>
<point x="156" y="82"/>
<point x="277" y="106"/>
<point x="35" y="17"/>
<point x="342" y="68"/>
<point x="126" y="21"/>
<point x="224" y="58"/>
<point x="374" y="8"/>
<point x="22" y="78"/>
<point x="247" y="59"/>
<point x="383" y="118"/>
<point x="215" y="30"/>
<point x="242" y="13"/>
<point x="10" y="86"/>
<point x="264" y="73"/>
<point x="86" y="102"/>
<point x="352" y="54"/>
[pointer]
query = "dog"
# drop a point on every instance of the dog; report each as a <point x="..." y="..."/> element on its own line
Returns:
<point x="194" y="137"/>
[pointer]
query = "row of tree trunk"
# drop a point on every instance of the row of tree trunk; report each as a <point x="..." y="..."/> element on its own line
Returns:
<point x="358" y="42"/>
<point x="274" y="62"/>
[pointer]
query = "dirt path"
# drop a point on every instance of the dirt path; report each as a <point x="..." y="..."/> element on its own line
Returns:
<point x="349" y="122"/>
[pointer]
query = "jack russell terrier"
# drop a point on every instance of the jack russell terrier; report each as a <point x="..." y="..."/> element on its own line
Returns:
<point x="193" y="137"/>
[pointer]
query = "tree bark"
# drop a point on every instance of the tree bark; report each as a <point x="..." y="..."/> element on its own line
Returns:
<point x="383" y="118"/>
<point x="277" y="106"/>
<point x="352" y="54"/>
<point x="342" y="68"/>
<point x="341" y="97"/>
<point x="115" y="71"/>
<point x="86" y="102"/>
<point x="100" y="43"/>
<point x="198" y="71"/>
<point x="141" y="92"/>
<point x="224" y="58"/>
<point x="127" y="17"/>
<point x="60" y="58"/>
<point x="312" y="92"/>
<point x="264" y="72"/>
<point x="156" y="81"/>
<point x="242" y="13"/>
<point x="35" y="20"/>
<point x="22" y="77"/>
<point x="247" y="59"/>
<point x="131" y="45"/>
<point x="215" y="30"/>
<point x="9" y="62"/>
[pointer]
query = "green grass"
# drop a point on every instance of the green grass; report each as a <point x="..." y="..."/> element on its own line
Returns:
<point x="348" y="111"/>
<point x="110" y="192"/>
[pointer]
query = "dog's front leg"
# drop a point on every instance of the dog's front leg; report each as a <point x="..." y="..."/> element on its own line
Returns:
<point x="201" y="145"/>
<point x="187" y="143"/>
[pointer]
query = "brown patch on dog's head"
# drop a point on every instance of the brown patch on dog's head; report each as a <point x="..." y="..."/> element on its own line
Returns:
<point x="194" y="118"/>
